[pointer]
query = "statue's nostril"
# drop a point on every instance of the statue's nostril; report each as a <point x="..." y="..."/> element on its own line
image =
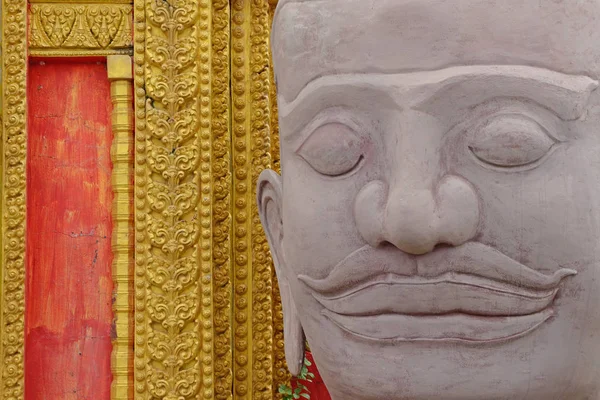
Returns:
<point x="457" y="210"/>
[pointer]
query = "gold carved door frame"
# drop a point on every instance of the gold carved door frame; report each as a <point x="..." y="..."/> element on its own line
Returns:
<point x="197" y="308"/>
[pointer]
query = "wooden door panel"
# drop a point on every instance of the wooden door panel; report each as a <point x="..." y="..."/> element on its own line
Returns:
<point x="69" y="283"/>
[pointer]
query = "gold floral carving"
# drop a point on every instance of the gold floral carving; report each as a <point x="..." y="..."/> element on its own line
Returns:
<point x="79" y="1"/>
<point x="204" y="276"/>
<point x="80" y="29"/>
<point x="174" y="285"/>
<point x="14" y="77"/>
<point x="207" y="311"/>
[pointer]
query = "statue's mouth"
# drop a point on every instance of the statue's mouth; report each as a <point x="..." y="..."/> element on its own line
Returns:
<point x="470" y="293"/>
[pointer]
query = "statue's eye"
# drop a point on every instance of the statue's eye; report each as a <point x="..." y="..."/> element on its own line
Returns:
<point x="511" y="140"/>
<point x="333" y="149"/>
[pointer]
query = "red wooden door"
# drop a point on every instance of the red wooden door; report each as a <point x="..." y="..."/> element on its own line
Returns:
<point x="69" y="282"/>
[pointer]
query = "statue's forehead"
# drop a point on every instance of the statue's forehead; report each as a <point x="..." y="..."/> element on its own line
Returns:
<point x="314" y="38"/>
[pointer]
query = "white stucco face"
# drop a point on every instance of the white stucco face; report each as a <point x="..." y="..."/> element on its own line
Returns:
<point x="436" y="228"/>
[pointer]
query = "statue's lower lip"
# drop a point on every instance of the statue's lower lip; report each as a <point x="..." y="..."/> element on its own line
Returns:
<point x="449" y="293"/>
<point x="456" y="327"/>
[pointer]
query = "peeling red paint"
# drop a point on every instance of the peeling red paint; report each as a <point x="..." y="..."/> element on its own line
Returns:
<point x="69" y="283"/>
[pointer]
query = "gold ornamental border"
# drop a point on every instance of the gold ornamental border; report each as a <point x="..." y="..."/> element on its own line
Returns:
<point x="120" y="76"/>
<point x="75" y="29"/>
<point x="14" y="152"/>
<point x="208" y="321"/>
<point x="197" y="306"/>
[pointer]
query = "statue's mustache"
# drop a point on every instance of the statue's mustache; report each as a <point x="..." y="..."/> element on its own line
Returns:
<point x="472" y="258"/>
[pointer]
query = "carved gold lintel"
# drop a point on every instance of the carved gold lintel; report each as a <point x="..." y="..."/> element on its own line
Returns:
<point x="121" y="92"/>
<point x="80" y="29"/>
<point x="79" y="1"/>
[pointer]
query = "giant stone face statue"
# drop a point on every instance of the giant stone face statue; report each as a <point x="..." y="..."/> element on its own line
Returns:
<point x="436" y="228"/>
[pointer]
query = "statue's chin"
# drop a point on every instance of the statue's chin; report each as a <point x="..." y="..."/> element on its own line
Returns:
<point x="534" y="364"/>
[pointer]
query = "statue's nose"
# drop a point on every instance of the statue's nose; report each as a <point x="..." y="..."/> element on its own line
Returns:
<point x="416" y="219"/>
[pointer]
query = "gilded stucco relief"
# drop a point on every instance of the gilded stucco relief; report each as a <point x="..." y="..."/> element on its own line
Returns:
<point x="81" y="29"/>
<point x="200" y="149"/>
<point x="171" y="343"/>
<point x="14" y="73"/>
<point x="205" y="320"/>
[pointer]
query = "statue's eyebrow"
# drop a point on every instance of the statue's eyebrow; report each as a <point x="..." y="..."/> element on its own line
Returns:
<point x="447" y="91"/>
<point x="443" y="91"/>
<point x="336" y="92"/>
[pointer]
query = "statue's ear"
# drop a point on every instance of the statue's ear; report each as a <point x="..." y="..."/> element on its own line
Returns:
<point x="269" y="198"/>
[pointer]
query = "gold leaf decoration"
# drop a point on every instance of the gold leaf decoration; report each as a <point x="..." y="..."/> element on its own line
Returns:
<point x="197" y="164"/>
<point x="14" y="106"/>
<point x="121" y="90"/>
<point x="262" y="269"/>
<point x="173" y="313"/>
<point x="219" y="101"/>
<point x="80" y="29"/>
<point x="242" y="250"/>
<point x="104" y="23"/>
<point x="207" y="314"/>
<point x="253" y="277"/>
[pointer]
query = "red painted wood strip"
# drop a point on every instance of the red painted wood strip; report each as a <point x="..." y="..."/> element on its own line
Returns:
<point x="69" y="283"/>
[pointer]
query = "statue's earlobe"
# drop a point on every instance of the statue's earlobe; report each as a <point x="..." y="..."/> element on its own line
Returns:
<point x="269" y="199"/>
<point x="293" y="334"/>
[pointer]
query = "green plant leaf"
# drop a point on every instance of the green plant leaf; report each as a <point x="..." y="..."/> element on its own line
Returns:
<point x="301" y="391"/>
<point x="284" y="389"/>
<point x="303" y="371"/>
